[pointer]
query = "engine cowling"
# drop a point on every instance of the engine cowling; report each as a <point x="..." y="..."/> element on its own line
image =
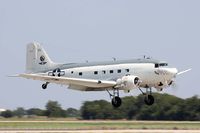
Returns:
<point x="164" y="84"/>
<point x="128" y="82"/>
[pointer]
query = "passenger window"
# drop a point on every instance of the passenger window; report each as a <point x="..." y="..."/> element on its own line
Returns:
<point x="95" y="72"/>
<point x="111" y="71"/>
<point x="127" y="70"/>
<point x="104" y="71"/>
<point x="72" y="72"/>
<point x="119" y="70"/>
<point x="80" y="73"/>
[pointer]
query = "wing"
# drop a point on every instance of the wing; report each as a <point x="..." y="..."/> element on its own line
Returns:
<point x="87" y="83"/>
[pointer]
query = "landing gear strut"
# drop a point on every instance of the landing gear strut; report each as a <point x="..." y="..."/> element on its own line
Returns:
<point x="116" y="100"/>
<point x="44" y="86"/>
<point x="148" y="99"/>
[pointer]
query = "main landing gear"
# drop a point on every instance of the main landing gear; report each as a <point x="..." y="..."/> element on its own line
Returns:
<point x="116" y="100"/>
<point x="148" y="99"/>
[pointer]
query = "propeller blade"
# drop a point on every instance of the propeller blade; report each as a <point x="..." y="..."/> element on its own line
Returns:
<point x="174" y="85"/>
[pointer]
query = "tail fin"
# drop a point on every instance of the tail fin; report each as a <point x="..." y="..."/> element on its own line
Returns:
<point x="37" y="59"/>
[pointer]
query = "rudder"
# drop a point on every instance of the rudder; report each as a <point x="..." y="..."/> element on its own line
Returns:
<point x="37" y="59"/>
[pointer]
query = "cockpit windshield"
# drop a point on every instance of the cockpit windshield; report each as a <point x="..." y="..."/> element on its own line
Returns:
<point x="163" y="64"/>
<point x="160" y="65"/>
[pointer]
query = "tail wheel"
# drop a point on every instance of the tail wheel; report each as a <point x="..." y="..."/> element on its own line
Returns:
<point x="116" y="102"/>
<point x="149" y="100"/>
<point x="44" y="86"/>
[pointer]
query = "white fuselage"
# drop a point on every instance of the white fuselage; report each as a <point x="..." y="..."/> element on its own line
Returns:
<point x="147" y="73"/>
<point x="100" y="76"/>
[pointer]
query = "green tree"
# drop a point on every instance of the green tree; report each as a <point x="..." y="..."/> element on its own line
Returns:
<point x="7" y="114"/>
<point x="53" y="109"/>
<point x="71" y="112"/>
<point x="100" y="109"/>
<point x="166" y="107"/>
<point x="192" y="108"/>
<point x="129" y="107"/>
<point x="19" y="112"/>
<point x="35" y="111"/>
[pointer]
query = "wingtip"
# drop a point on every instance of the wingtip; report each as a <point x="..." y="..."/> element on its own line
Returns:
<point x="11" y="76"/>
<point x="17" y="75"/>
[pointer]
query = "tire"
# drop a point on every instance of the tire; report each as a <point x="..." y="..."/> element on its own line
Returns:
<point x="44" y="86"/>
<point x="149" y="100"/>
<point x="116" y="102"/>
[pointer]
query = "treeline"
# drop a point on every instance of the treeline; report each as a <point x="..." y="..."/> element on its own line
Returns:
<point x="52" y="109"/>
<point x="166" y="107"/>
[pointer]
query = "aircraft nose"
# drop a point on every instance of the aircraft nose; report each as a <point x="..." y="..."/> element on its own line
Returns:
<point x="173" y="71"/>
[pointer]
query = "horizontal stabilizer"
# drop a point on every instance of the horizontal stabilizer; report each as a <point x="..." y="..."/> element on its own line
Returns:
<point x="13" y="75"/>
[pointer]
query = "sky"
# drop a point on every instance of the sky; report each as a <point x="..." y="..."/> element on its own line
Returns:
<point x="95" y="30"/>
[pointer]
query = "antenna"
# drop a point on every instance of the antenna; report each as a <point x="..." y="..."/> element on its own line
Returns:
<point x="147" y="57"/>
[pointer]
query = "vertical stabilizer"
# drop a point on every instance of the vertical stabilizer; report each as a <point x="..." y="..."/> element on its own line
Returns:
<point x="37" y="59"/>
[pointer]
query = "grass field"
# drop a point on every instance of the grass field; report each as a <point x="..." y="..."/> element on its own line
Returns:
<point x="89" y="125"/>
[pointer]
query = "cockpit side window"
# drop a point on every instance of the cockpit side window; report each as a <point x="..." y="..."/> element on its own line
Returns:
<point x="156" y="65"/>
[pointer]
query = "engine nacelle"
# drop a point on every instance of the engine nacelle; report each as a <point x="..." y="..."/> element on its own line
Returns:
<point x="128" y="82"/>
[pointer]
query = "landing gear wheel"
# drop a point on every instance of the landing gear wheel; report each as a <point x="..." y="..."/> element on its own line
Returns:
<point x="116" y="102"/>
<point x="149" y="100"/>
<point x="44" y="86"/>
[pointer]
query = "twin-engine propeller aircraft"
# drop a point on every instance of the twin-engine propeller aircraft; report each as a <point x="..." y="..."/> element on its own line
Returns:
<point x="110" y="76"/>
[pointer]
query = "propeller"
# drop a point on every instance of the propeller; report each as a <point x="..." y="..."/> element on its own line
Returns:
<point x="173" y="83"/>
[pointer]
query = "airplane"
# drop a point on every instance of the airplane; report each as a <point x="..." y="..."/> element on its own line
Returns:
<point x="111" y="76"/>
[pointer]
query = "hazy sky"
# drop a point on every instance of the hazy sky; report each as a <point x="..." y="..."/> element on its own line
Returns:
<point x="80" y="30"/>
